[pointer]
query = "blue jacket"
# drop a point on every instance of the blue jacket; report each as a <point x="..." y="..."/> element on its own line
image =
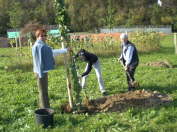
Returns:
<point x="42" y="58"/>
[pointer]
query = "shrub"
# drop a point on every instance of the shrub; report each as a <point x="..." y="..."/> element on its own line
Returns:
<point x="107" y="46"/>
<point x="145" y="41"/>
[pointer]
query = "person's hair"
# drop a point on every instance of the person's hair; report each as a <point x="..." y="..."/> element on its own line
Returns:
<point x="123" y="36"/>
<point x="82" y="50"/>
<point x="40" y="32"/>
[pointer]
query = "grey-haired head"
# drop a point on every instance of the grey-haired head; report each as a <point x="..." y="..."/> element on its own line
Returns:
<point x="123" y="36"/>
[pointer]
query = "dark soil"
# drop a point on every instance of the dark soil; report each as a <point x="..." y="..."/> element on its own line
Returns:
<point x="121" y="102"/>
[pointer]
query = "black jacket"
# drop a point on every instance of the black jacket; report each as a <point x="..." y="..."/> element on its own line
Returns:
<point x="88" y="57"/>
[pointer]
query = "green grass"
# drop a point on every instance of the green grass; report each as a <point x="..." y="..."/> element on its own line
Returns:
<point x="19" y="97"/>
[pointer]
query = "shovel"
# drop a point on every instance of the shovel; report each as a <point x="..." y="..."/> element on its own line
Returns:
<point x="134" y="84"/>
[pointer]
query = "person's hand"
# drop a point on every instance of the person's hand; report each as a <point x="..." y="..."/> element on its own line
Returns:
<point x="79" y="77"/>
<point x="119" y="59"/>
<point x="69" y="49"/>
<point x="121" y="62"/>
<point x="126" y="68"/>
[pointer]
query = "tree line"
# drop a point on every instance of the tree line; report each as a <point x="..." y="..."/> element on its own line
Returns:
<point x="89" y="15"/>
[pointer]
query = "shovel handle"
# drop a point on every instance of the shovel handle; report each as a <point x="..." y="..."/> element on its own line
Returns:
<point x="129" y="76"/>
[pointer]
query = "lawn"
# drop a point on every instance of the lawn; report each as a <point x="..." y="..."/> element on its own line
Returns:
<point x="19" y="96"/>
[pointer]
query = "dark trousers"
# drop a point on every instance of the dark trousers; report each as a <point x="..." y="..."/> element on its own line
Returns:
<point x="43" y="91"/>
<point x="130" y="76"/>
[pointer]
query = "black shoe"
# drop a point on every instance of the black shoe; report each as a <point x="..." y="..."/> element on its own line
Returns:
<point x="104" y="93"/>
<point x="131" y="89"/>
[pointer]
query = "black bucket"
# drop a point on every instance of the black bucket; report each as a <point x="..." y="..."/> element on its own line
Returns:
<point x="44" y="117"/>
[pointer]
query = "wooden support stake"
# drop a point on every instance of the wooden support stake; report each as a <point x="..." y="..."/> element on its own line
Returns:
<point x="20" y="45"/>
<point x="175" y="42"/>
<point x="16" y="43"/>
<point x="69" y="92"/>
<point x="68" y="78"/>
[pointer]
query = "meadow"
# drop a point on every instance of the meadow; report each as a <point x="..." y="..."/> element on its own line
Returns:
<point x="19" y="95"/>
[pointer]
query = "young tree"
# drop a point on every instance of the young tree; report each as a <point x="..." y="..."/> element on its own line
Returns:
<point x="72" y="80"/>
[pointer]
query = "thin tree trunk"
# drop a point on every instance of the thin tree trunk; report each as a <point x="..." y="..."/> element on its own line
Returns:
<point x="68" y="78"/>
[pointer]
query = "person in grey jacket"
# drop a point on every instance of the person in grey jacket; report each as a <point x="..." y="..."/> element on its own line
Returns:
<point x="92" y="61"/>
<point x="129" y="59"/>
<point x="43" y="61"/>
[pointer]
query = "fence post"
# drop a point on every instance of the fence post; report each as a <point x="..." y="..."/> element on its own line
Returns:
<point x="175" y="42"/>
<point x="16" y="43"/>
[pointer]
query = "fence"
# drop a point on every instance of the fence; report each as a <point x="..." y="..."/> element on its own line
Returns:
<point x="163" y="29"/>
<point x="4" y="42"/>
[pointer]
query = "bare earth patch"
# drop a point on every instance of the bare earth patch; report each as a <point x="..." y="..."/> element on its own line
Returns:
<point x="165" y="64"/>
<point x="121" y="102"/>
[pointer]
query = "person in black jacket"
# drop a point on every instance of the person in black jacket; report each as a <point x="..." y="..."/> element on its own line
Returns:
<point x="92" y="61"/>
<point x="129" y="59"/>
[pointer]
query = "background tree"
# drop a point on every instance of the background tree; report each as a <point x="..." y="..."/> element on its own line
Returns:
<point x="4" y="18"/>
<point x="88" y="15"/>
<point x="110" y="18"/>
<point x="16" y="15"/>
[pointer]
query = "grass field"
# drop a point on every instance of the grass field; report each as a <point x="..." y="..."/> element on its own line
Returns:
<point x="19" y="97"/>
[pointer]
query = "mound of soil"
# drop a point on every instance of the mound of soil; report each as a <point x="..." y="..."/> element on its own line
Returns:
<point x="165" y="64"/>
<point x="121" y="102"/>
